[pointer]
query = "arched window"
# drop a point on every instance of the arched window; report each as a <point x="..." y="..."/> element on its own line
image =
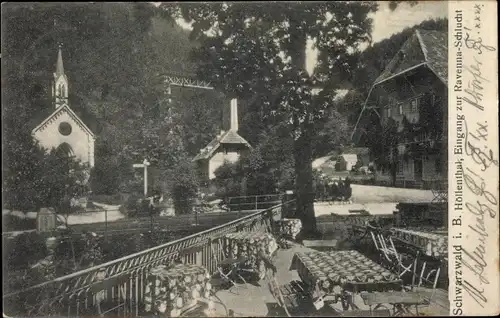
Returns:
<point x="64" y="150"/>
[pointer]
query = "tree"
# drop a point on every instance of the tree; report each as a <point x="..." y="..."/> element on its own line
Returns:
<point x="182" y="183"/>
<point x="260" y="50"/>
<point x="35" y="178"/>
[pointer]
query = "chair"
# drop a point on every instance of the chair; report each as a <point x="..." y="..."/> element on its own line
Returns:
<point x="416" y="295"/>
<point x="228" y="268"/>
<point x="389" y="254"/>
<point x="421" y="290"/>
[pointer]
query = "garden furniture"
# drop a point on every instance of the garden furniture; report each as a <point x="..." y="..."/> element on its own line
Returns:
<point x="429" y="242"/>
<point x="418" y="295"/>
<point x="228" y="268"/>
<point x="172" y="290"/>
<point x="341" y="274"/>
<point x="247" y="247"/>
<point x="389" y="255"/>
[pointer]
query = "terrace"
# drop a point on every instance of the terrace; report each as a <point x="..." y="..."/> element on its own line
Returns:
<point x="120" y="287"/>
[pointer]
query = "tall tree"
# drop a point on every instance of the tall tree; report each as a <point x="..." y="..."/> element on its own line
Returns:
<point x="259" y="50"/>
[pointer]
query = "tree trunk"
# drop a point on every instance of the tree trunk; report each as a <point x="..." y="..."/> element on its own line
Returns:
<point x="303" y="147"/>
<point x="394" y="167"/>
<point x="304" y="184"/>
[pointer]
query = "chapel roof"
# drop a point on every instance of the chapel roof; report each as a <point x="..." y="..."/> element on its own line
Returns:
<point x="64" y="108"/>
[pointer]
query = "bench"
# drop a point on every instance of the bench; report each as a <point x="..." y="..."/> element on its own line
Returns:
<point x="362" y="313"/>
<point x="295" y="294"/>
<point x="401" y="301"/>
<point x="379" y="298"/>
<point x="320" y="243"/>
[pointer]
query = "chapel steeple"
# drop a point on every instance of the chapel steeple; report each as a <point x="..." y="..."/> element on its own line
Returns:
<point x="60" y="84"/>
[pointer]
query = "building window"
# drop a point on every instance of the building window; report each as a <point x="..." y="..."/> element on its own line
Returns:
<point x="414" y="105"/>
<point x="65" y="129"/>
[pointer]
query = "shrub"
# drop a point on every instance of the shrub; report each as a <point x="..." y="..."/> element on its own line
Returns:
<point x="183" y="186"/>
<point x="16" y="223"/>
<point x="26" y="248"/>
<point x="34" y="178"/>
<point x="132" y="206"/>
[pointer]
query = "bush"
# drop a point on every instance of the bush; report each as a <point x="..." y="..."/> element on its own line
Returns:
<point x="34" y="178"/>
<point x="183" y="186"/>
<point x="24" y="249"/>
<point x="15" y="223"/>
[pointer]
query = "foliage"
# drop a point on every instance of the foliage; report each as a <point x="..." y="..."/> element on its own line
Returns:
<point x="182" y="182"/>
<point x="24" y="249"/>
<point x="374" y="59"/>
<point x="114" y="55"/>
<point x="333" y="131"/>
<point x="268" y="168"/>
<point x="110" y="172"/>
<point x="35" y="178"/>
<point x="228" y="180"/>
<point x="259" y="50"/>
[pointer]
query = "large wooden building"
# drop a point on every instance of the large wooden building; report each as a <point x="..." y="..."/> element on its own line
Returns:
<point x="411" y="95"/>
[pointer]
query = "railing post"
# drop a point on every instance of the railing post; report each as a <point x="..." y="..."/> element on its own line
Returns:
<point x="196" y="217"/>
<point x="256" y="204"/>
<point x="106" y="224"/>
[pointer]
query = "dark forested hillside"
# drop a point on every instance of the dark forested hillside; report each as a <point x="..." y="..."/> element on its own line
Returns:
<point x="114" y="55"/>
<point x="372" y="61"/>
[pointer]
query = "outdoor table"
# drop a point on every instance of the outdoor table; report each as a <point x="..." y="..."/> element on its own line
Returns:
<point x="289" y="227"/>
<point x="429" y="242"/>
<point x="248" y="245"/>
<point x="340" y="273"/>
<point x="170" y="290"/>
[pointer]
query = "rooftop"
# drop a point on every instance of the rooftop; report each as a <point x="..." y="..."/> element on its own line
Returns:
<point x="424" y="47"/>
<point x="227" y="137"/>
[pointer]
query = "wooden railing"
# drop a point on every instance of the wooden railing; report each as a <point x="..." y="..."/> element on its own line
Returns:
<point x="121" y="283"/>
<point x="253" y="202"/>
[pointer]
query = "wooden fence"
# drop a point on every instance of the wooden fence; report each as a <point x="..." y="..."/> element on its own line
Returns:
<point x="121" y="283"/>
<point x="253" y="202"/>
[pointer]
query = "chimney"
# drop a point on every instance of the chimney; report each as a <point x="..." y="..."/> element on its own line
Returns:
<point x="234" y="115"/>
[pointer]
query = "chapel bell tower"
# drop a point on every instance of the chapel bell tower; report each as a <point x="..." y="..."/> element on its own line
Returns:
<point x="60" y="84"/>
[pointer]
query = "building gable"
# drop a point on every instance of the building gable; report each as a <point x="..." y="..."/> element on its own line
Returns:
<point x="59" y="112"/>
<point x="424" y="48"/>
<point x="410" y="55"/>
<point x="435" y="47"/>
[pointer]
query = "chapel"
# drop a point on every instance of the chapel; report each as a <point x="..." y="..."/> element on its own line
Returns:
<point x="63" y="130"/>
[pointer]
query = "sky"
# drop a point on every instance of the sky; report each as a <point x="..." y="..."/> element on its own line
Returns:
<point x="386" y="22"/>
